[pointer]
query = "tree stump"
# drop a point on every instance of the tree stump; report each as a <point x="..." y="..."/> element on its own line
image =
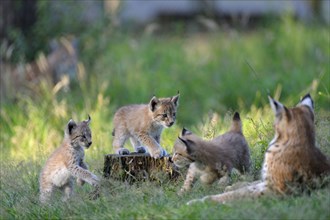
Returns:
<point x="139" y="167"/>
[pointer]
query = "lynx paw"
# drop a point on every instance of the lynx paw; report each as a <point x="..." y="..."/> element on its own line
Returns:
<point x="159" y="153"/>
<point x="123" y="151"/>
<point x="141" y="150"/>
<point x="96" y="178"/>
<point x="164" y="153"/>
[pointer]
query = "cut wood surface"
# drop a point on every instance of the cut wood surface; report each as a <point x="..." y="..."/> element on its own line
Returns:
<point x="139" y="167"/>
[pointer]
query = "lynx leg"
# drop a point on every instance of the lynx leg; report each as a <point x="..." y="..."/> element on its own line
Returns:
<point x="85" y="175"/>
<point x="46" y="192"/>
<point x="189" y="179"/>
<point x="157" y="138"/>
<point x="255" y="190"/>
<point x="81" y="182"/>
<point x="208" y="178"/>
<point x="118" y="142"/>
<point x="138" y="146"/>
<point x="67" y="190"/>
<point x="155" y="150"/>
<point x="164" y="152"/>
<point x="225" y="180"/>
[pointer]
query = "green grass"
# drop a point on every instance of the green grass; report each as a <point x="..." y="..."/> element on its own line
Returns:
<point x="216" y="73"/>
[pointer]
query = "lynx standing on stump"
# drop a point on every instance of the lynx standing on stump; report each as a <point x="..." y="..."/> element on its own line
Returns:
<point x="292" y="161"/>
<point x="67" y="162"/>
<point x="143" y="124"/>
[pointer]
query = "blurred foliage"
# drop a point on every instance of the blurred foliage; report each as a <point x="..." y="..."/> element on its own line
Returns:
<point x="52" y="21"/>
<point x="216" y="73"/>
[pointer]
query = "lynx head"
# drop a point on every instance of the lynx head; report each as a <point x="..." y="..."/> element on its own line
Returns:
<point x="79" y="134"/>
<point x="183" y="149"/>
<point x="164" y="110"/>
<point x="294" y="122"/>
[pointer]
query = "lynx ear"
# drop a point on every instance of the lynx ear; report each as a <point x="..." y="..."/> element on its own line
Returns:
<point x="308" y="101"/>
<point x="276" y="106"/>
<point x="185" y="132"/>
<point x="71" y="125"/>
<point x="236" y="117"/>
<point x="88" y="120"/>
<point x="187" y="143"/>
<point x="175" y="99"/>
<point x="153" y="103"/>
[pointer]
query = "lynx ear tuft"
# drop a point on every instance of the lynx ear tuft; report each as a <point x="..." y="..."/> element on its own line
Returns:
<point x="276" y="106"/>
<point x="153" y="103"/>
<point x="175" y="99"/>
<point x="236" y="117"/>
<point x="185" y="132"/>
<point x="187" y="143"/>
<point x="71" y="126"/>
<point x="88" y="119"/>
<point x="308" y="101"/>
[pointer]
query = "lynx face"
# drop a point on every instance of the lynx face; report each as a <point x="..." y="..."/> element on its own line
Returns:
<point x="80" y="134"/>
<point x="181" y="157"/>
<point x="164" y="110"/>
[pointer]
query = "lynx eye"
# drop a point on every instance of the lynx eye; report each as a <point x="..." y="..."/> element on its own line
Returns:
<point x="164" y="115"/>
<point x="174" y="114"/>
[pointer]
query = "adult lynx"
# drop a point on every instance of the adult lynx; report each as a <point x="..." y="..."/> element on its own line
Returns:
<point x="292" y="161"/>
<point x="143" y="124"/>
<point x="67" y="162"/>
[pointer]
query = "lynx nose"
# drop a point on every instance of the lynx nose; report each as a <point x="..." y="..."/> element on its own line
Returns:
<point x="90" y="143"/>
<point x="171" y="123"/>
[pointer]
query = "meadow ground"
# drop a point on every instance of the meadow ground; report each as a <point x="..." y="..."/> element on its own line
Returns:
<point x="216" y="73"/>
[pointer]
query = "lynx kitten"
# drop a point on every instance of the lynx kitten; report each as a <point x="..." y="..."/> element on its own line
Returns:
<point x="143" y="124"/>
<point x="215" y="159"/>
<point x="67" y="163"/>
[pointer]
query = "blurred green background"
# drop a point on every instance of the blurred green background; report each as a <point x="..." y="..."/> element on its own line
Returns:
<point x="232" y="67"/>
<point x="63" y="67"/>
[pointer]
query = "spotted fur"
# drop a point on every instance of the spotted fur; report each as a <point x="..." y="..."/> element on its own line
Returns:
<point x="292" y="162"/>
<point x="67" y="163"/>
<point x="143" y="124"/>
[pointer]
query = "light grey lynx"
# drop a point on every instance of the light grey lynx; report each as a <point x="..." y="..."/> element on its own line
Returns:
<point x="212" y="160"/>
<point x="67" y="163"/>
<point x="143" y="124"/>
